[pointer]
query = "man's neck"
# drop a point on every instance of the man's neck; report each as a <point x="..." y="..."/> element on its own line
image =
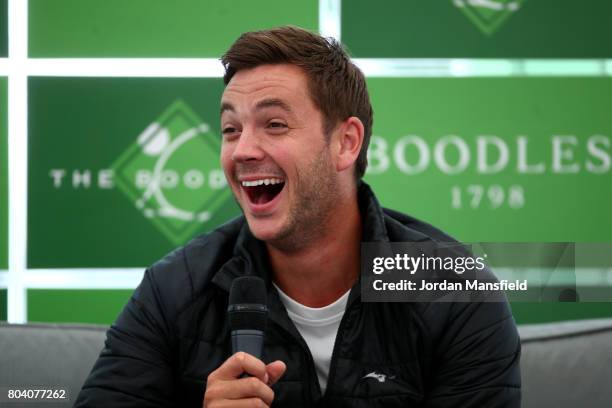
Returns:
<point x="318" y="274"/>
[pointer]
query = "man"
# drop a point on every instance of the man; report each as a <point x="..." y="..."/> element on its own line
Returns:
<point x="296" y="121"/>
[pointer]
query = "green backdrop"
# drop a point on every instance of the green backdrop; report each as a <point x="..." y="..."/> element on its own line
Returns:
<point x="154" y="28"/>
<point x="86" y="306"/>
<point x="87" y="169"/>
<point x="456" y="29"/>
<point x="497" y="159"/>
<point x="103" y="306"/>
<point x="485" y="159"/>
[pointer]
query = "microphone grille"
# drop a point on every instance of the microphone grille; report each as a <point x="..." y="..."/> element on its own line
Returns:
<point x="247" y="290"/>
<point x="247" y="304"/>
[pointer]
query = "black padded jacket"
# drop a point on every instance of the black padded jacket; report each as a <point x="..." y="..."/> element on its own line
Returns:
<point x="174" y="332"/>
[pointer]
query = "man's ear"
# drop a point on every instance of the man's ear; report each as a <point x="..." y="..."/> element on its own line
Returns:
<point x="349" y="140"/>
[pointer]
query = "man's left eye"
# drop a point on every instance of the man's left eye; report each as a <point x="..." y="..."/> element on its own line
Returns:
<point x="277" y="125"/>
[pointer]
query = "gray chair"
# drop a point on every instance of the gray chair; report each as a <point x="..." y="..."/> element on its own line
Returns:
<point x="47" y="356"/>
<point x="567" y="364"/>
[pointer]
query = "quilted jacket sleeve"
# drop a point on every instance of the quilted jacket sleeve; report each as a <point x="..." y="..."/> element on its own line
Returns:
<point x="134" y="367"/>
<point x="478" y="358"/>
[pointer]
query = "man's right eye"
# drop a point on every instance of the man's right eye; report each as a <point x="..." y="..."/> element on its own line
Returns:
<point x="229" y="130"/>
<point x="230" y="134"/>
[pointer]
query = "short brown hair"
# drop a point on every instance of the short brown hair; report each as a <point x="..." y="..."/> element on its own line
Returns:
<point x="337" y="87"/>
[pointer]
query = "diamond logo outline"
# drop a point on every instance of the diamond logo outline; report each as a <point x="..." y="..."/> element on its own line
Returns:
<point x="489" y="15"/>
<point x="176" y="224"/>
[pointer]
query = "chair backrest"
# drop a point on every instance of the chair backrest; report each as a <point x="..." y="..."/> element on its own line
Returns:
<point x="48" y="356"/>
<point x="567" y="364"/>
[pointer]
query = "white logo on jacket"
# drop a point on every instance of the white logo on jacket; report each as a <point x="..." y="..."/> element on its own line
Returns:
<point x="379" y="377"/>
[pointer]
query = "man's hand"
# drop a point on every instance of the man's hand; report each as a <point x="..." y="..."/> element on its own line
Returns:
<point x="225" y="388"/>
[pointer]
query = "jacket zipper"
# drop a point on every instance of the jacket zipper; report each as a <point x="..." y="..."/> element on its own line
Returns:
<point x="312" y="375"/>
<point x="334" y="357"/>
<point x="311" y="372"/>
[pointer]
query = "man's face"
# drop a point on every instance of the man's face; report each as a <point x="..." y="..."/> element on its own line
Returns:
<point x="275" y="156"/>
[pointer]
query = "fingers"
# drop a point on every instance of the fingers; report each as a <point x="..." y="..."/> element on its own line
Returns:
<point x="244" y="388"/>
<point x="225" y="387"/>
<point x="275" y="371"/>
<point x="238" y="364"/>
<point x="244" y="403"/>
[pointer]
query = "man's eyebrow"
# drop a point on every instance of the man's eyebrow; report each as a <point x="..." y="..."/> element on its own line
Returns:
<point x="273" y="102"/>
<point x="263" y="104"/>
<point x="226" y="106"/>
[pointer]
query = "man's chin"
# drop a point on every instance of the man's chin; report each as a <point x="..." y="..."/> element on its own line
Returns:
<point x="264" y="229"/>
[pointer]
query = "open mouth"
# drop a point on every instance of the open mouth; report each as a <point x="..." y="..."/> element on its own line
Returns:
<point x="263" y="191"/>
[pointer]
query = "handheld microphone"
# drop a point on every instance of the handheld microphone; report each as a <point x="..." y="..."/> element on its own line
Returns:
<point x="248" y="313"/>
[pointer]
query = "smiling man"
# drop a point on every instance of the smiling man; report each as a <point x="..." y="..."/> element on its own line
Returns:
<point x="288" y="189"/>
<point x="296" y="121"/>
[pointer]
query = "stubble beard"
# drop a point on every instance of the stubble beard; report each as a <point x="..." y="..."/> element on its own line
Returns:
<point x="316" y="195"/>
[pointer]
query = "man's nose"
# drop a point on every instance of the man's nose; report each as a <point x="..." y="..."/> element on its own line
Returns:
<point x="248" y="147"/>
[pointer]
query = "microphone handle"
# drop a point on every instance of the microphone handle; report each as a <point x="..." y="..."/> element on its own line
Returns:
<point x="249" y="341"/>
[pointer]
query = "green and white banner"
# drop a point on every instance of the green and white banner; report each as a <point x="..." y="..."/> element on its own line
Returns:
<point x="496" y="159"/>
<point x="146" y="28"/>
<point x="478" y="28"/>
<point x="121" y="171"/>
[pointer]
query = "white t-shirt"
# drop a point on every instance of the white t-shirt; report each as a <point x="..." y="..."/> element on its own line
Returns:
<point x="318" y="327"/>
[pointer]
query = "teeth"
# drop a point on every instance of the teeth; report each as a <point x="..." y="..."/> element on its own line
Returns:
<point x="267" y="182"/>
